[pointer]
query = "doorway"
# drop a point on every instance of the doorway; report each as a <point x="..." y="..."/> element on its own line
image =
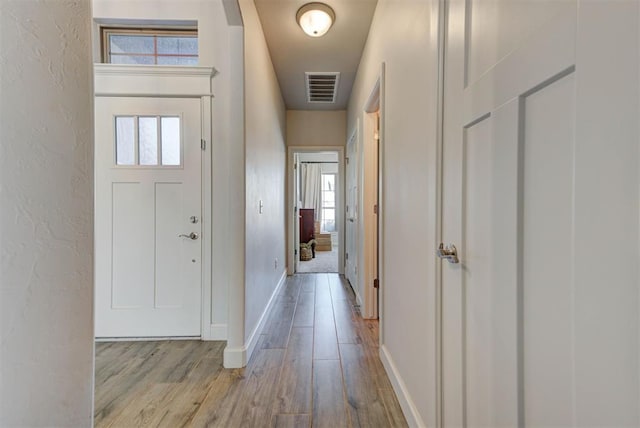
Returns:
<point x="316" y="180"/>
<point x="371" y="207"/>
<point x="153" y="204"/>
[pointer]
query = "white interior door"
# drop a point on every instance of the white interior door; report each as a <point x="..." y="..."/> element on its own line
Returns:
<point x="351" y="227"/>
<point x="148" y="193"/>
<point x="540" y="181"/>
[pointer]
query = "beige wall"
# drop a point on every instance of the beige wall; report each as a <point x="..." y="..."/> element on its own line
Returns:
<point x="402" y="36"/>
<point x="265" y="173"/>
<point x="316" y="128"/>
<point x="46" y="214"/>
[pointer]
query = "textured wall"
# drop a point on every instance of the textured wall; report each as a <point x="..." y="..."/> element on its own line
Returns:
<point x="46" y="203"/>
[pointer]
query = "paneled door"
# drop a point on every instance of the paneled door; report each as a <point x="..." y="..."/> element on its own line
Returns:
<point x="540" y="199"/>
<point x="351" y="226"/>
<point x="148" y="217"/>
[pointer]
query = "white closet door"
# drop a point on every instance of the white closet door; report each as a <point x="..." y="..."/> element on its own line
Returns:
<point x="540" y="197"/>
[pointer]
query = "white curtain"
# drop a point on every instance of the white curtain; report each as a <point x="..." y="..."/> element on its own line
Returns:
<point x="311" y="178"/>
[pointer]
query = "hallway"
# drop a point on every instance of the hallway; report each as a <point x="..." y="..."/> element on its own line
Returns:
<point x="316" y="364"/>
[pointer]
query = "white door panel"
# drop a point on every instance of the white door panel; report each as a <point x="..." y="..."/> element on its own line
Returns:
<point x="148" y="278"/>
<point x="517" y="332"/>
<point x="352" y="223"/>
<point x="547" y="226"/>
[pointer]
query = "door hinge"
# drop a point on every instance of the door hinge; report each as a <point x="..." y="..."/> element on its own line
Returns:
<point x="347" y="159"/>
<point x="295" y="252"/>
<point x="295" y="166"/>
<point x="203" y="144"/>
<point x="346" y="256"/>
<point x="375" y="209"/>
<point x="376" y="283"/>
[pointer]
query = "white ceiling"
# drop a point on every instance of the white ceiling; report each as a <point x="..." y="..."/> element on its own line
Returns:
<point x="293" y="52"/>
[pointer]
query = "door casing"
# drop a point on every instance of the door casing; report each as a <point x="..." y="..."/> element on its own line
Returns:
<point x="291" y="202"/>
<point x="184" y="82"/>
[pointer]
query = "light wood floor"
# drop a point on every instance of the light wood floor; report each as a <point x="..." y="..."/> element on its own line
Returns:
<point x="315" y="365"/>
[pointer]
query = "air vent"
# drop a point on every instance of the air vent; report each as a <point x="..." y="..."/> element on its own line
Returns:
<point x="322" y="87"/>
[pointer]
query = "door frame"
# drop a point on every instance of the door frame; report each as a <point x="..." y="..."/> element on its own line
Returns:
<point x="369" y="226"/>
<point x="175" y="82"/>
<point x="370" y="258"/>
<point x="291" y="203"/>
<point x="296" y="210"/>
<point x="440" y="11"/>
<point x="353" y="137"/>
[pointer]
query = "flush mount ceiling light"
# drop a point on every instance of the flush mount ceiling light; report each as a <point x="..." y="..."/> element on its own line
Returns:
<point x="315" y="19"/>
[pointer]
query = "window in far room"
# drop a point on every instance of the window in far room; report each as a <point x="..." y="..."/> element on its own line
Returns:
<point x="150" y="46"/>
<point x="328" y="220"/>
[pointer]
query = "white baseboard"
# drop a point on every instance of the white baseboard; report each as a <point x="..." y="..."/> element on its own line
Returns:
<point x="358" y="299"/>
<point x="234" y="358"/>
<point x="406" y="403"/>
<point x="239" y="357"/>
<point x="145" y="338"/>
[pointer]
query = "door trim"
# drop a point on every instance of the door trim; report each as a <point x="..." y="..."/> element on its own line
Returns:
<point x="340" y="201"/>
<point x="439" y="10"/>
<point x="375" y="102"/>
<point x="353" y="136"/>
<point x="176" y="82"/>
<point x="369" y="223"/>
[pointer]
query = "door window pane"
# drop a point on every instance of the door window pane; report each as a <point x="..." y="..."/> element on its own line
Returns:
<point x="170" y="128"/>
<point x="148" y="140"/>
<point x="125" y="140"/>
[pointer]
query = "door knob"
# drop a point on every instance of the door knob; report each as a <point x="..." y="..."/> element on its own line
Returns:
<point x="449" y="253"/>
<point x="193" y="236"/>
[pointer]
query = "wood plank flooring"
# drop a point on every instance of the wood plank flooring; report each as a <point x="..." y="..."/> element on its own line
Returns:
<point x="316" y="364"/>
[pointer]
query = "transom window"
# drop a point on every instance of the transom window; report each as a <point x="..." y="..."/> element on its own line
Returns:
<point x="148" y="141"/>
<point x="147" y="46"/>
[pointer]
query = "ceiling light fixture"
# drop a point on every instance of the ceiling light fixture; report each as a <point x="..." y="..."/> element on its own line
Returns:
<point x="315" y="19"/>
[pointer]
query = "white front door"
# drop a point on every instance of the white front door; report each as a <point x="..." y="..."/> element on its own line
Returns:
<point x="148" y="217"/>
<point x="540" y="197"/>
<point x="351" y="239"/>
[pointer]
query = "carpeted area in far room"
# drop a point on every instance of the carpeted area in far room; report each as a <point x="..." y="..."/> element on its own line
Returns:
<point x="325" y="261"/>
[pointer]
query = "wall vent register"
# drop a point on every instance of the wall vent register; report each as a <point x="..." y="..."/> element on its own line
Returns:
<point x="148" y="141"/>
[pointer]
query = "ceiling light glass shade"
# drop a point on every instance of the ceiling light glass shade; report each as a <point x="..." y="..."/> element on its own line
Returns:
<point x="315" y="19"/>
